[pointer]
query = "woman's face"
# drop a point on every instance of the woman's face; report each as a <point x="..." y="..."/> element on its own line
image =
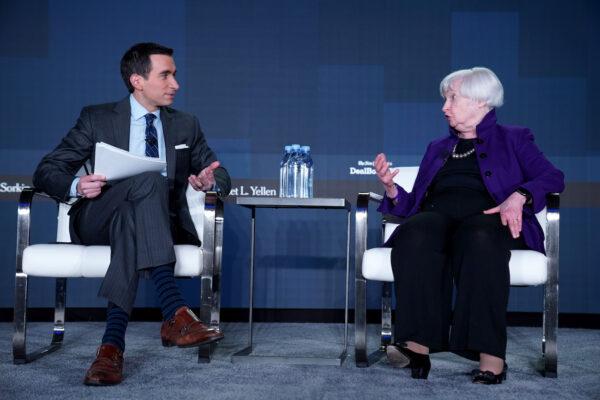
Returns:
<point x="462" y="113"/>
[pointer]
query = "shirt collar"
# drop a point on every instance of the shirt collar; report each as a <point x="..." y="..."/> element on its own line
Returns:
<point x="485" y="126"/>
<point x="138" y="111"/>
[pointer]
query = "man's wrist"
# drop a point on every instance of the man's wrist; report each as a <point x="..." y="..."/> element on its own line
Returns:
<point x="74" y="190"/>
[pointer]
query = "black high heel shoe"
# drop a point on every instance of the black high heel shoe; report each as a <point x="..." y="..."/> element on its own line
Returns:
<point x="488" y="377"/>
<point x="401" y="357"/>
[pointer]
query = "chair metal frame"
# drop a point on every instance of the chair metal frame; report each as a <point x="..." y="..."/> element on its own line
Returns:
<point x="550" y="311"/>
<point x="210" y="279"/>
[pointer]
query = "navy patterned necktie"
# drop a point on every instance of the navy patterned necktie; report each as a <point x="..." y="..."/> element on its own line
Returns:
<point x="151" y="136"/>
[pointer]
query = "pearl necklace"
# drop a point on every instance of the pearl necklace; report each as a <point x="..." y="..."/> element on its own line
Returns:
<point x="462" y="155"/>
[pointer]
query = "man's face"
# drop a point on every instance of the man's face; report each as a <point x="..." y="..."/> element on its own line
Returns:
<point x="160" y="87"/>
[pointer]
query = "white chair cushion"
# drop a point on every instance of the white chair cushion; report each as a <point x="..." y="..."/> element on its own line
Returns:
<point x="527" y="267"/>
<point x="67" y="260"/>
<point x="377" y="264"/>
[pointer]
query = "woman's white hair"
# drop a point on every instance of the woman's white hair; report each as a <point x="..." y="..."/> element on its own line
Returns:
<point x="477" y="83"/>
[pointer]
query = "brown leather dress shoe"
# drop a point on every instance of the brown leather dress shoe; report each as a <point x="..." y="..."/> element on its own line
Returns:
<point x="186" y="330"/>
<point x="107" y="368"/>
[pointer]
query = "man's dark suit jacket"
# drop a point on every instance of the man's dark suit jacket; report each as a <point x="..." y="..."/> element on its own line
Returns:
<point x="110" y="123"/>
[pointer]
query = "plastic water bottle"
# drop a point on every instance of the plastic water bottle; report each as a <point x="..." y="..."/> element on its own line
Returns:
<point x="302" y="173"/>
<point x="293" y="169"/>
<point x="283" y="175"/>
<point x="307" y="173"/>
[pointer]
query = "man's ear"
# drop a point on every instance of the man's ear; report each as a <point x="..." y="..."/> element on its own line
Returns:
<point x="136" y="81"/>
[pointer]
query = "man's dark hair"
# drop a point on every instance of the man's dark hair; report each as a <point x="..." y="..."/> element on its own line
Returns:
<point x="136" y="60"/>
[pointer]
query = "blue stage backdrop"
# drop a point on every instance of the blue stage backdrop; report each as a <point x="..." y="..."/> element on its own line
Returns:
<point x="350" y="78"/>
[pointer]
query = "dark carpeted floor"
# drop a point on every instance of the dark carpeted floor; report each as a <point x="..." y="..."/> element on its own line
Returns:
<point x="154" y="372"/>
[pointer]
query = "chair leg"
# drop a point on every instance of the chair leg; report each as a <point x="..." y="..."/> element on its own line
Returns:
<point x="386" y="324"/>
<point x="360" y="323"/>
<point x="550" y="325"/>
<point x="210" y="281"/>
<point x="209" y="311"/>
<point x="386" y="315"/>
<point x="20" y="319"/>
<point x="549" y="347"/>
<point x="20" y="355"/>
<point x="58" y="333"/>
<point x="360" y="283"/>
<point x="205" y="353"/>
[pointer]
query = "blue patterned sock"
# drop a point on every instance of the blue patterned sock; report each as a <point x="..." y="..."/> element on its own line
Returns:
<point x="116" y="324"/>
<point x="168" y="292"/>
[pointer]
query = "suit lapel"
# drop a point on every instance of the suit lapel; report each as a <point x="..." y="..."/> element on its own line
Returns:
<point x="122" y="124"/>
<point x="169" y="134"/>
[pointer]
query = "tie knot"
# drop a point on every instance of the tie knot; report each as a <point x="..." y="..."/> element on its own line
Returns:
<point x="150" y="118"/>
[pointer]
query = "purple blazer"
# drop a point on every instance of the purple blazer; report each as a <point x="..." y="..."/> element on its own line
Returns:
<point x="508" y="159"/>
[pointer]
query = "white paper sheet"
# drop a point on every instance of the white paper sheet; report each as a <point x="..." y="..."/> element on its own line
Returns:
<point x="115" y="163"/>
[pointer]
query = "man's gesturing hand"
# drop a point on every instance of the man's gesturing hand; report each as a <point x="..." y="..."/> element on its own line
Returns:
<point x="90" y="186"/>
<point x="205" y="180"/>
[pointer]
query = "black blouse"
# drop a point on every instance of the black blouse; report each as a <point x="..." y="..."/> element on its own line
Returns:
<point x="458" y="189"/>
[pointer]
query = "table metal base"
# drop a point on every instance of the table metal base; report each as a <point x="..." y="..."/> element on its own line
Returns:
<point x="245" y="355"/>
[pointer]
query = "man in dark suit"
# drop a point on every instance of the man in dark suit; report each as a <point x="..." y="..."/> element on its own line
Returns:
<point x="140" y="217"/>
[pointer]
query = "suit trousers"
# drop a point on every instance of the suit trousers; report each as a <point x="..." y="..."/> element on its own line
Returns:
<point x="132" y="216"/>
<point x="430" y="252"/>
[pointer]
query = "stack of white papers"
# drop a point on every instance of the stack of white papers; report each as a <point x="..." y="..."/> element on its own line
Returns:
<point x="115" y="163"/>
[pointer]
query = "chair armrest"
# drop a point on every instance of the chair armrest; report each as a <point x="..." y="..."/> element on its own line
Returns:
<point x="552" y="236"/>
<point x="212" y="254"/>
<point x="361" y="219"/>
<point x="202" y="207"/>
<point x="24" y="221"/>
<point x="360" y="283"/>
<point x="212" y="220"/>
<point x="553" y="202"/>
<point x="363" y="199"/>
<point x="550" y="321"/>
<point x="361" y="227"/>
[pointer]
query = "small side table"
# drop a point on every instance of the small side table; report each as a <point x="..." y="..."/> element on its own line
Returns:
<point x="245" y="355"/>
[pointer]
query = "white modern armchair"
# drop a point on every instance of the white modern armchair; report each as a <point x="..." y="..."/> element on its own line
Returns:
<point x="62" y="260"/>
<point x="527" y="268"/>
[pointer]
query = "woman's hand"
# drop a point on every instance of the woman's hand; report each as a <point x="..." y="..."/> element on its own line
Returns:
<point x="511" y="213"/>
<point x="386" y="176"/>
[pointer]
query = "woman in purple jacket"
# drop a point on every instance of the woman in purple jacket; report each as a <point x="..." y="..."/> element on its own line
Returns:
<point x="474" y="199"/>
